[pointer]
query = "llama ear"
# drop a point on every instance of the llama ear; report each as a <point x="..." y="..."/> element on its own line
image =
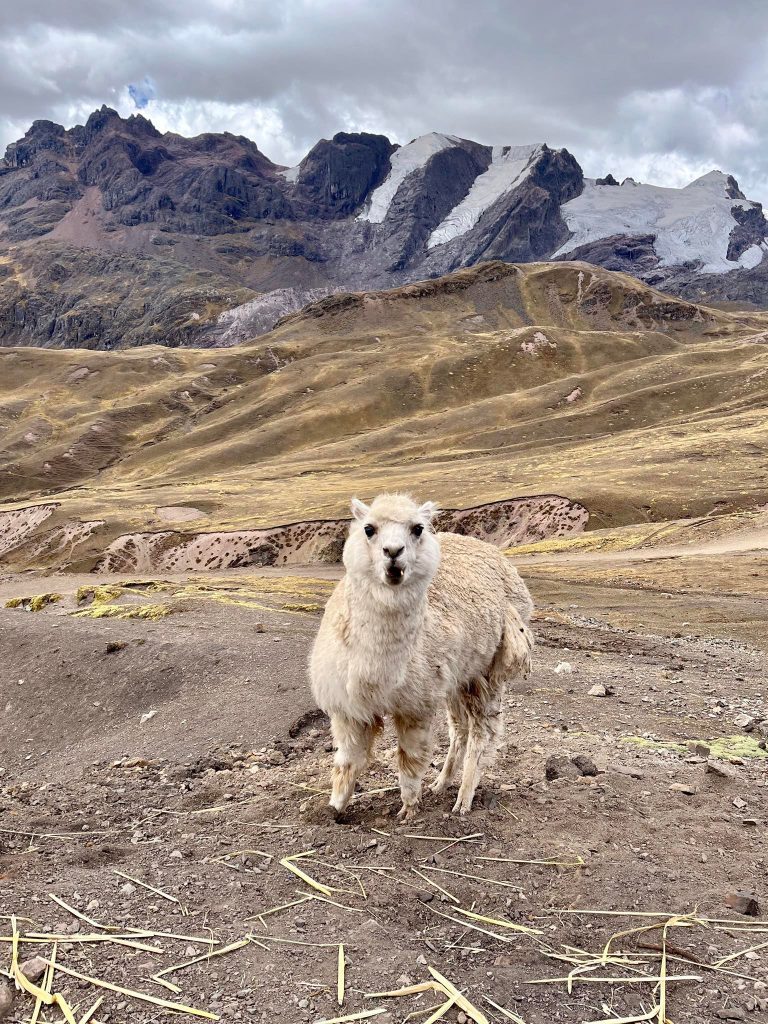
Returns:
<point x="359" y="509"/>
<point x="428" y="510"/>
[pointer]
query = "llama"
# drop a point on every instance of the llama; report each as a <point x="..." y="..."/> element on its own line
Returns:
<point x="418" y="620"/>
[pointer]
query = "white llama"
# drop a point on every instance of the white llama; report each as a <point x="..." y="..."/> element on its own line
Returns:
<point x="419" y="619"/>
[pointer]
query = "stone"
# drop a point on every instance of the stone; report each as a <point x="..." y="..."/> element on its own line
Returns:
<point x="276" y="757"/>
<point x="598" y="690"/>
<point x="127" y="889"/>
<point x="743" y="903"/>
<point x="34" y="969"/>
<point x="563" y="668"/>
<point x="698" y="748"/>
<point x="559" y="766"/>
<point x="722" y="770"/>
<point x="625" y="769"/>
<point x="6" y="999"/>
<point x="745" y="722"/>
<point x="683" y="787"/>
<point x="585" y="764"/>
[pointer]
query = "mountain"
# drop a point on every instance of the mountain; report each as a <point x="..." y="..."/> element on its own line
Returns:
<point x="114" y="235"/>
<point x="545" y="389"/>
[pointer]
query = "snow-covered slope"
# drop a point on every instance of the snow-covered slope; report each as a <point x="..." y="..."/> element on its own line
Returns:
<point x="403" y="162"/>
<point x="509" y="166"/>
<point x="691" y="223"/>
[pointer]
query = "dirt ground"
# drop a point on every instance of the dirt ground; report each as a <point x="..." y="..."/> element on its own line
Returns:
<point x="182" y="751"/>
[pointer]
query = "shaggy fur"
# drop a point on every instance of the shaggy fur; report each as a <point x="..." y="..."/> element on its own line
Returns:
<point x="419" y="620"/>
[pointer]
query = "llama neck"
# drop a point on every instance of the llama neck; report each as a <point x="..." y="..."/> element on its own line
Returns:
<point x="386" y="623"/>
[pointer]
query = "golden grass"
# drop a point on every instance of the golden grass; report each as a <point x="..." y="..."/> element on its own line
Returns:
<point x="117" y="611"/>
<point x="401" y="394"/>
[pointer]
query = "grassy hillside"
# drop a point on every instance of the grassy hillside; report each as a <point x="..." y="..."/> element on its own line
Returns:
<point x="493" y="382"/>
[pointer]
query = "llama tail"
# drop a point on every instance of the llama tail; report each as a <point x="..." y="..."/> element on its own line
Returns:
<point x="513" y="657"/>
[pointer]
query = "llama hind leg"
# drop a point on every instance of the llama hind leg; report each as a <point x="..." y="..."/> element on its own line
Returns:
<point x="458" y="727"/>
<point x="414" y="754"/>
<point x="486" y="729"/>
<point x="354" y="745"/>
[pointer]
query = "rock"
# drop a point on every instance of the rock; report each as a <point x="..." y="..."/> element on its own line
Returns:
<point x="115" y="645"/>
<point x="585" y="764"/>
<point x="34" y="969"/>
<point x="276" y="757"/>
<point x="745" y="722"/>
<point x="6" y="999"/>
<point x="127" y="889"/>
<point x="730" y="1013"/>
<point x="739" y="804"/>
<point x="563" y="668"/>
<point x="559" y="766"/>
<point x="624" y="769"/>
<point x="176" y="855"/>
<point x="743" y="903"/>
<point x="722" y="770"/>
<point x="598" y="690"/>
<point x="698" y="748"/>
<point x="425" y="897"/>
<point x="147" y="715"/>
<point x="682" y="787"/>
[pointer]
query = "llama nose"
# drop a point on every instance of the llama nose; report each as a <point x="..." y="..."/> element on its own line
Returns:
<point x="393" y="552"/>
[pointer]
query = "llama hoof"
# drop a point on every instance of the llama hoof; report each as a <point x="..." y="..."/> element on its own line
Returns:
<point x="438" y="787"/>
<point x="407" y="812"/>
<point x="462" y="808"/>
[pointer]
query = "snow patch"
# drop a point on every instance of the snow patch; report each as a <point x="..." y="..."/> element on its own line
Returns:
<point x="510" y="165"/>
<point x="291" y="174"/>
<point x="402" y="163"/>
<point x="691" y="223"/>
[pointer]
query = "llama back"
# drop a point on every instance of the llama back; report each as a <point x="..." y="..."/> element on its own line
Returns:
<point x="488" y="564"/>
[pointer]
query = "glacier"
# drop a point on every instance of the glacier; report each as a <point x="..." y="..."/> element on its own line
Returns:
<point x="404" y="162"/>
<point x="510" y="165"/>
<point x="690" y="223"/>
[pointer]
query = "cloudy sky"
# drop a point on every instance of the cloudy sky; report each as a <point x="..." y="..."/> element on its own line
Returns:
<point x="662" y="90"/>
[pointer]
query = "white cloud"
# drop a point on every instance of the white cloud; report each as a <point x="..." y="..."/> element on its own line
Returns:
<point x="659" y="91"/>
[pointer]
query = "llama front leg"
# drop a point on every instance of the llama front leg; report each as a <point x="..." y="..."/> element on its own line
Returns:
<point x="414" y="754"/>
<point x="354" y="743"/>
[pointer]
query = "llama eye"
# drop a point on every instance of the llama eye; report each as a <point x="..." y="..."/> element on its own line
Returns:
<point x="417" y="530"/>
<point x="370" y="531"/>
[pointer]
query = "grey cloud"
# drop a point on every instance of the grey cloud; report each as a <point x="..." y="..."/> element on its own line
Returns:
<point x="677" y="84"/>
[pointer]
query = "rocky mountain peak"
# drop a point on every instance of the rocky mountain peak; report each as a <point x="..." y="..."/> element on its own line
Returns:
<point x="115" y="200"/>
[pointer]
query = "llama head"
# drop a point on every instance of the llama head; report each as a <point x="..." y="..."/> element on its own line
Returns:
<point x="391" y="543"/>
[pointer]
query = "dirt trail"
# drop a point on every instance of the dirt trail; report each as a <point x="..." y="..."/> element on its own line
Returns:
<point x="750" y="540"/>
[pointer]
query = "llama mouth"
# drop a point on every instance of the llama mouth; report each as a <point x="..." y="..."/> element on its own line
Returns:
<point x="394" y="575"/>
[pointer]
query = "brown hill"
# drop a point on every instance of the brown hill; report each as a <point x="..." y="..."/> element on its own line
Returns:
<point x="496" y="382"/>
